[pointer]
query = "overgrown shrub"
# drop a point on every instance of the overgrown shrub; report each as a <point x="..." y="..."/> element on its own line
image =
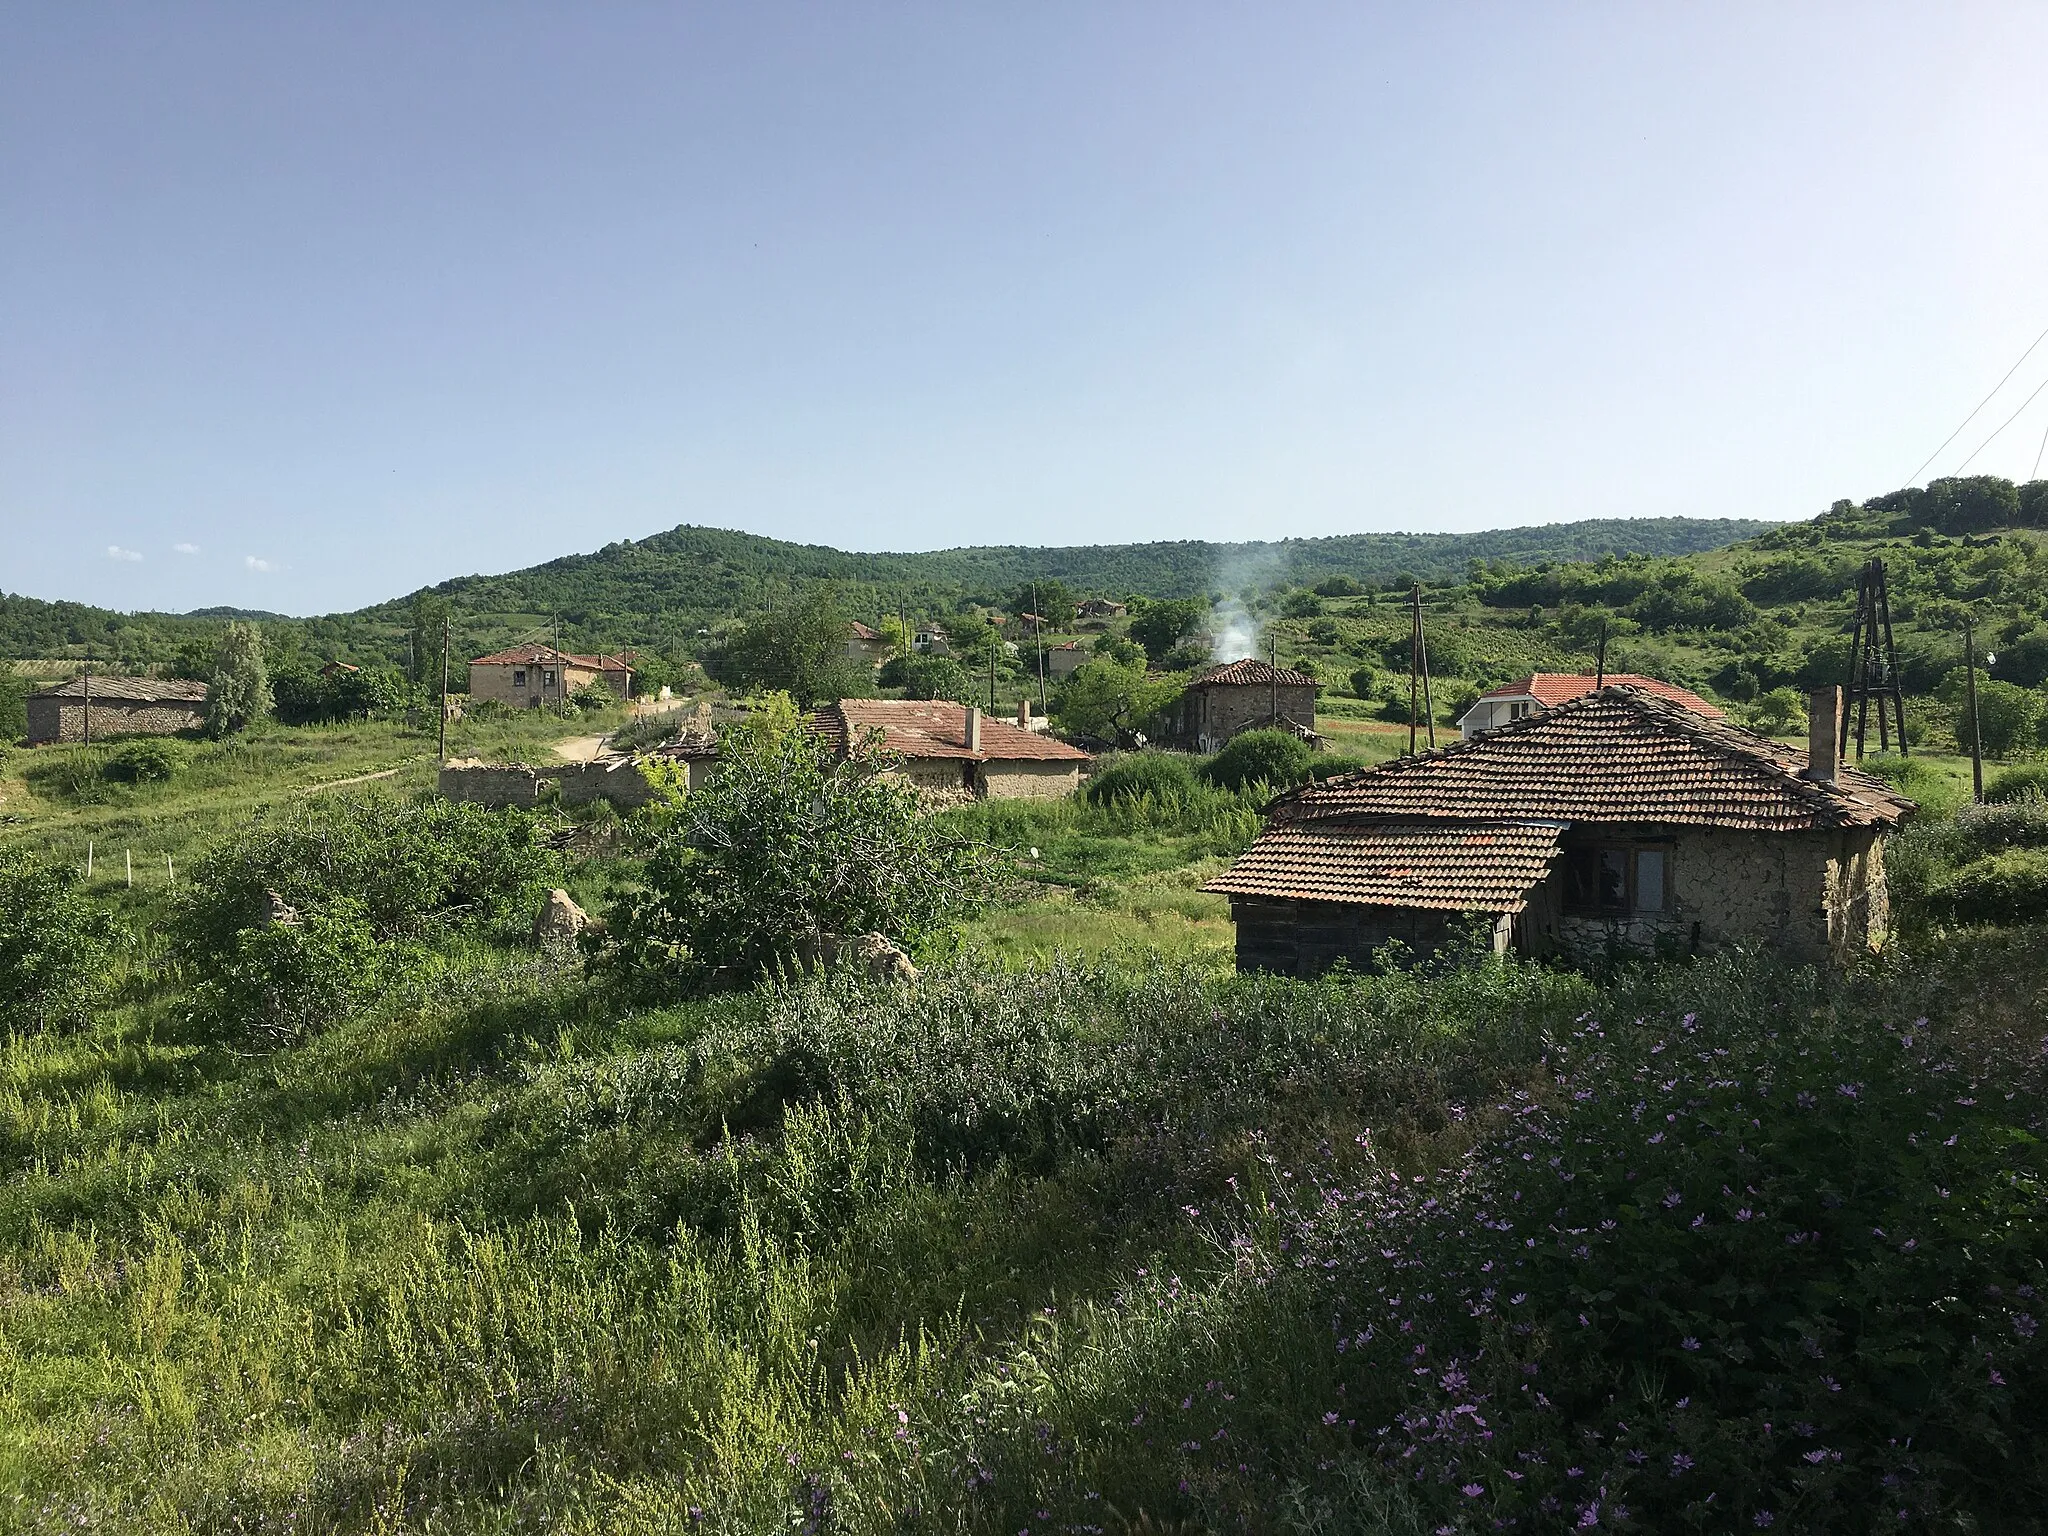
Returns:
<point x="1163" y="776"/>
<point x="786" y="843"/>
<point x="55" y="944"/>
<point x="2007" y="887"/>
<point x="280" y="981"/>
<point x="402" y="866"/>
<point x="146" y="760"/>
<point x="1276" y="758"/>
<point x="2018" y="782"/>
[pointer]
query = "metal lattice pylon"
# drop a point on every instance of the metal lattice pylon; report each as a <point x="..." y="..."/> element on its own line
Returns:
<point x="1873" y="668"/>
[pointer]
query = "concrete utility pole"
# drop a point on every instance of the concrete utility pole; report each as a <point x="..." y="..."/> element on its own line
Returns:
<point x="446" y="626"/>
<point x="1418" y="671"/>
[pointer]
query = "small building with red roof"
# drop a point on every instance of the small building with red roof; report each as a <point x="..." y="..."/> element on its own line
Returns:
<point x="948" y="746"/>
<point x="541" y="677"/>
<point x="1539" y="691"/>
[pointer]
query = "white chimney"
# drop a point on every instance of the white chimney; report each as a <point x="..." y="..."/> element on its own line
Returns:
<point x="1823" y="733"/>
<point x="973" y="732"/>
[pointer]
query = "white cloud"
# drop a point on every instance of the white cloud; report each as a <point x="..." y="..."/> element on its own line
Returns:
<point x="255" y="564"/>
<point x="184" y="549"/>
<point x="116" y="552"/>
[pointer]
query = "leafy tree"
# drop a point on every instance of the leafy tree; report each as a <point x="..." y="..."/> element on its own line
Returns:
<point x="1301" y="604"/>
<point x="592" y="697"/>
<point x="1276" y="758"/>
<point x="1781" y="712"/>
<point x="1049" y="598"/>
<point x="1118" y="648"/>
<point x="279" y="982"/>
<point x="2008" y="713"/>
<point x="238" y="695"/>
<point x="1163" y="625"/>
<point x="1365" y="681"/>
<point x="55" y="945"/>
<point x="927" y="677"/>
<point x="13" y="708"/>
<point x="1109" y="701"/>
<point x="1339" y="586"/>
<point x="787" y="843"/>
<point x="428" y="613"/>
<point x="1163" y="777"/>
<point x="799" y="649"/>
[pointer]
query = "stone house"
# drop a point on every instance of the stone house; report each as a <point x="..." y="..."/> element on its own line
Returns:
<point x="541" y="677"/>
<point x="1539" y="691"/>
<point x="1063" y="661"/>
<point x="1099" y="610"/>
<point x="930" y="640"/>
<point x="1615" y="822"/>
<point x="94" y="708"/>
<point x="866" y="645"/>
<point x="947" y="746"/>
<point x="1243" y="696"/>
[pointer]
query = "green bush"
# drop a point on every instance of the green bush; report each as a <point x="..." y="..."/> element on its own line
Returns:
<point x="593" y="697"/>
<point x="402" y="866"/>
<point x="1277" y="758"/>
<point x="2019" y="782"/>
<point x="1165" y="777"/>
<point x="278" y="982"/>
<point x="2006" y="887"/>
<point x="148" y="760"/>
<point x="55" y="945"/>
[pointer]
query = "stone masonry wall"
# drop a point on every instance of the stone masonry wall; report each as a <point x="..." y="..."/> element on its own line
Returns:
<point x="1214" y="715"/>
<point x="1030" y="779"/>
<point x="616" y="779"/>
<point x="64" y="719"/>
<point x="492" y="784"/>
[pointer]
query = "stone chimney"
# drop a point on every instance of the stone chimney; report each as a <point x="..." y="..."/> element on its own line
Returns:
<point x="1023" y="714"/>
<point x="1823" y="733"/>
<point x="973" y="733"/>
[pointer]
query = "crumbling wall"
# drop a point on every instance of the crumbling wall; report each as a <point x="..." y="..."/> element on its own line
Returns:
<point x="492" y="784"/>
<point x="1031" y="779"/>
<point x="617" y="779"/>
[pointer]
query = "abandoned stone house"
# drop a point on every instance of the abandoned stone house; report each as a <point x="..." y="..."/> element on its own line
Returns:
<point x="541" y="677"/>
<point x="1616" y="822"/>
<point x="947" y="746"/>
<point x="1098" y="611"/>
<point x="1063" y="661"/>
<point x="1244" y="696"/>
<point x="866" y="645"/>
<point x="1539" y="691"/>
<point x="95" y="708"/>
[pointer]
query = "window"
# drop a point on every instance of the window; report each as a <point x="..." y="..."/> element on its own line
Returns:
<point x="547" y="677"/>
<point x="1617" y="880"/>
<point x="519" y="677"/>
<point x="1519" y="710"/>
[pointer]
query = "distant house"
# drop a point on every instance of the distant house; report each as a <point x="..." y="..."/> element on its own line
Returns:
<point x="1063" y="661"/>
<point x="955" y="747"/>
<point x="1033" y="624"/>
<point x="931" y="641"/>
<point x="540" y="677"/>
<point x="866" y="645"/>
<point x="1242" y="696"/>
<point x="1615" y="822"/>
<point x="1099" y="610"/>
<point x="95" y="708"/>
<point x="1539" y="691"/>
<point x="339" y="669"/>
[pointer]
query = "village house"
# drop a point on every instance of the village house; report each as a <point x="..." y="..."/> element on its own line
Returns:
<point x="1539" y="691"/>
<point x="947" y="746"/>
<point x="540" y="677"/>
<point x="1063" y="661"/>
<point x="1618" y="822"/>
<point x="1099" y="611"/>
<point x="866" y="645"/>
<point x="1245" y="696"/>
<point x="90" y="708"/>
<point x="930" y="640"/>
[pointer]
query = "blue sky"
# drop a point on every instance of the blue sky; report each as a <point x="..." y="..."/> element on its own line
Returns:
<point x="306" y="306"/>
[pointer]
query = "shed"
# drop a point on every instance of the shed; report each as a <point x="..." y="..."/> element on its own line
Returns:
<point x="1616" y="822"/>
<point x="87" y="708"/>
<point x="947" y="746"/>
<point x="1242" y="696"/>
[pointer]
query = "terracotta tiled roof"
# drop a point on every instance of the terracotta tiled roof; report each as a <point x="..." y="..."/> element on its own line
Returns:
<point x="140" y="690"/>
<point x="548" y="656"/>
<point x="1251" y="670"/>
<point x="1618" y="755"/>
<point x="935" y="728"/>
<point x="1445" y="866"/>
<point x="1552" y="688"/>
<point x="861" y="631"/>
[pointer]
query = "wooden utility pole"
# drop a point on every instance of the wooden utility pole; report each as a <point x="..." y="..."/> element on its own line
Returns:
<point x="994" y="635"/>
<point x="561" y="675"/>
<point x="446" y="627"/>
<point x="88" y="702"/>
<point x="1038" y="629"/>
<point x="1418" y="671"/>
<point x="1600" y="659"/>
<point x="1976" y="730"/>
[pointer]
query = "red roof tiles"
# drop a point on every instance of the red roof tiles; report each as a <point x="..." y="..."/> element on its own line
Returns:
<point x="1619" y="755"/>
<point x="935" y="728"/>
<point x="1553" y="688"/>
<point x="548" y="656"/>
<point x="1438" y="865"/>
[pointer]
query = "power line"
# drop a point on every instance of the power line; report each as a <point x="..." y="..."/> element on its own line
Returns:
<point x="2015" y="368"/>
<point x="2015" y="416"/>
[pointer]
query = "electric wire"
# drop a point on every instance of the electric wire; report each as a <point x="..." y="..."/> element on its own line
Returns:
<point x="2015" y="416"/>
<point x="2015" y="368"/>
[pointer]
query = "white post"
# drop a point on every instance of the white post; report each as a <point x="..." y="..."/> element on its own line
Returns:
<point x="170" y="870"/>
<point x="128" y="858"/>
<point x="88" y="858"/>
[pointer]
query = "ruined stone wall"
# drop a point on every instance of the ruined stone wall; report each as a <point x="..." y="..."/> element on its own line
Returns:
<point x="64" y="719"/>
<point x="934" y="772"/>
<point x="492" y="784"/>
<point x="616" y="779"/>
<point x="1030" y="779"/>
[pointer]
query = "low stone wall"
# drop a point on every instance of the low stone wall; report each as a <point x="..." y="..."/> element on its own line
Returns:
<point x="492" y="784"/>
<point x="64" y="719"/>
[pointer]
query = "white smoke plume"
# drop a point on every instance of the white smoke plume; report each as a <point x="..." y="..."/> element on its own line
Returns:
<point x="1233" y="629"/>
